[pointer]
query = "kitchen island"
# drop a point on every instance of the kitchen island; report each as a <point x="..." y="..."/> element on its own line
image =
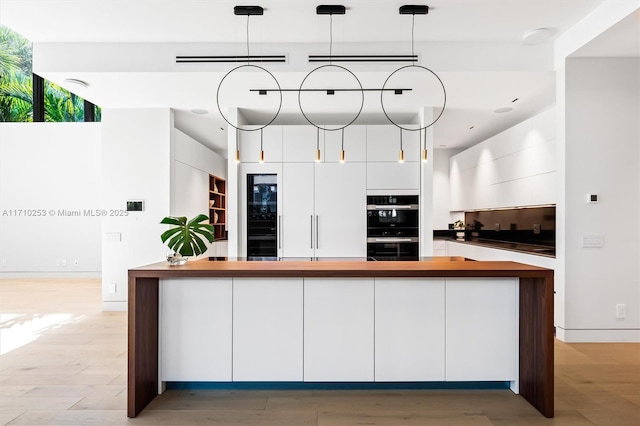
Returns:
<point x="441" y="320"/>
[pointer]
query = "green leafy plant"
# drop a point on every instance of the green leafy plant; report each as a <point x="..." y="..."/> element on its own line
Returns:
<point x="186" y="237"/>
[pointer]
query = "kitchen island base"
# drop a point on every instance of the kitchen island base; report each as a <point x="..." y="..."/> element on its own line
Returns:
<point x="437" y="322"/>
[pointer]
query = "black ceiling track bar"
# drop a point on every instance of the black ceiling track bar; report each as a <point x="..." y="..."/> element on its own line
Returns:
<point x="414" y="9"/>
<point x="230" y="59"/>
<point x="396" y="91"/>
<point x="330" y="9"/>
<point x="363" y="58"/>
<point x="248" y="10"/>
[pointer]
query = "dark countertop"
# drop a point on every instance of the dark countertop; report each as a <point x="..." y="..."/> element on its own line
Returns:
<point x="535" y="249"/>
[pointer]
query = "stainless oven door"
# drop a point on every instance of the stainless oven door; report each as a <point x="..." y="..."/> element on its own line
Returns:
<point x="381" y="248"/>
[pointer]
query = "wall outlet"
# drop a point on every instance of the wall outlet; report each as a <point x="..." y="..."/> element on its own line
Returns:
<point x="113" y="287"/>
<point x="63" y="263"/>
<point x="621" y="311"/>
<point x="76" y="263"/>
<point x="536" y="228"/>
<point x="497" y="227"/>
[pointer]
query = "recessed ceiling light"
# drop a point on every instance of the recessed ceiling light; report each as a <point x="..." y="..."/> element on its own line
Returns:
<point x="471" y="128"/>
<point x="199" y="111"/>
<point x="76" y="82"/>
<point x="503" y="110"/>
<point x="539" y="35"/>
<point x="515" y="100"/>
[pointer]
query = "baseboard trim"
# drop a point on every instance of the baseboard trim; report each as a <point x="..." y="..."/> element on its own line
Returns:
<point x="598" y="336"/>
<point x="114" y="306"/>
<point x="332" y="385"/>
<point x="49" y="274"/>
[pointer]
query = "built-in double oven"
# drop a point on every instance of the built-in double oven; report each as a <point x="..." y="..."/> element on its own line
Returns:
<point x="392" y="227"/>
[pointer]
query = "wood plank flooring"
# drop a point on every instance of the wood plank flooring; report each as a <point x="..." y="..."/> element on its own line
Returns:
<point x="65" y="364"/>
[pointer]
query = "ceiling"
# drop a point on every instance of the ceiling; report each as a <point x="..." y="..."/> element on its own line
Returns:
<point x="126" y="51"/>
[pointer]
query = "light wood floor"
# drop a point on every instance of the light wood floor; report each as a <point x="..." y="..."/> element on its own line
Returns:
<point x="69" y="368"/>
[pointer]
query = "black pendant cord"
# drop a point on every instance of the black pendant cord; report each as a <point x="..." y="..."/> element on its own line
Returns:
<point x="400" y="138"/>
<point x="330" y="38"/>
<point x="342" y="143"/>
<point x="248" y="60"/>
<point x="317" y="138"/>
<point x="261" y="140"/>
<point x="413" y="25"/>
<point x="237" y="139"/>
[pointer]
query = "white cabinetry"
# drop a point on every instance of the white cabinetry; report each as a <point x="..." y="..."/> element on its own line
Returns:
<point x="383" y="144"/>
<point x="195" y="329"/>
<point x="384" y="171"/>
<point x="338" y="330"/>
<point x="409" y="330"/>
<point x="340" y="205"/>
<point x="298" y="213"/>
<point x="249" y="144"/>
<point x="481" y="329"/>
<point x="267" y="329"/>
<point x="355" y="144"/>
<point x="324" y="210"/>
<point x="299" y="144"/>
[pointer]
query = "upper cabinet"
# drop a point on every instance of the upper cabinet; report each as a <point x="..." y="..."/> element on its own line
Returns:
<point x="355" y="144"/>
<point x="249" y="144"/>
<point x="383" y="144"/>
<point x="299" y="144"/>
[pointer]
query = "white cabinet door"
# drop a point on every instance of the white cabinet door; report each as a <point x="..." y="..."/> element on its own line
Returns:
<point x="299" y="144"/>
<point x="383" y="143"/>
<point x="355" y="144"/>
<point x="298" y="216"/>
<point x="267" y="329"/>
<point x="338" y="330"/>
<point x="195" y="329"/>
<point x="394" y="176"/>
<point x="253" y="168"/>
<point x="271" y="145"/>
<point x="340" y="205"/>
<point x="481" y="329"/>
<point x="409" y="330"/>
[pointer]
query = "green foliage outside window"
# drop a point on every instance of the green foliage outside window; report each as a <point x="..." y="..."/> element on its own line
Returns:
<point x="16" y="86"/>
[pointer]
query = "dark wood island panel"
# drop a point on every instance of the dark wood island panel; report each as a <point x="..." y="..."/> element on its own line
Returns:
<point x="535" y="307"/>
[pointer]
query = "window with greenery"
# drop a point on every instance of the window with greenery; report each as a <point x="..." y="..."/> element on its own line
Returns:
<point x="16" y="86"/>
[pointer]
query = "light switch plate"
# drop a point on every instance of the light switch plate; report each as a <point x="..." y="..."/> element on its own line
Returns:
<point x="592" y="241"/>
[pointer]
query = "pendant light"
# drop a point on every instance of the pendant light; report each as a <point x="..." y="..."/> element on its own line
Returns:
<point x="414" y="10"/>
<point x="425" y="154"/>
<point x="342" y="147"/>
<point x="401" y="154"/>
<point x="317" y="144"/>
<point x="261" y="150"/>
<point x="237" y="145"/>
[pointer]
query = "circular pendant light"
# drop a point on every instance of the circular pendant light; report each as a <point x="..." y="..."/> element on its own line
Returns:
<point x="237" y="72"/>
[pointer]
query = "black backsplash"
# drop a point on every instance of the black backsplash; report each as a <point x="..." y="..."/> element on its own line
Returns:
<point x="536" y="225"/>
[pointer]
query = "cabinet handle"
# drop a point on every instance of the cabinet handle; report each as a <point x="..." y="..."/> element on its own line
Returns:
<point x="311" y="231"/>
<point x="279" y="231"/>
<point x="317" y="235"/>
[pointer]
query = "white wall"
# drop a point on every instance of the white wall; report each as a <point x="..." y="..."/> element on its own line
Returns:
<point x="46" y="168"/>
<point x="601" y="146"/>
<point x="136" y="158"/>
<point x="514" y="168"/>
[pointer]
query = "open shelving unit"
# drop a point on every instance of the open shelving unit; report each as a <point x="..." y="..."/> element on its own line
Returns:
<point x="218" y="206"/>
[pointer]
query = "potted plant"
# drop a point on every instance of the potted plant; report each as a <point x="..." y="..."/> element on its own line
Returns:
<point x="459" y="226"/>
<point x="186" y="237"/>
